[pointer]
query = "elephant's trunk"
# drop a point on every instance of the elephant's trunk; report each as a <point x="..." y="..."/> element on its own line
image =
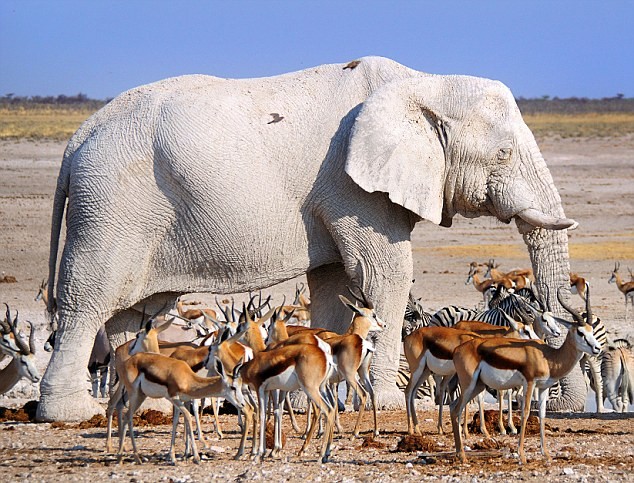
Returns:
<point x="548" y="251"/>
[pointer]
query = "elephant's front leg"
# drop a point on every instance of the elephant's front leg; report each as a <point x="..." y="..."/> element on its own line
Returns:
<point x="385" y="276"/>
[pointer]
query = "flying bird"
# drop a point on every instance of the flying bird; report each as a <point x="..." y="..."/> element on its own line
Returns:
<point x="276" y="118"/>
<point x="352" y="65"/>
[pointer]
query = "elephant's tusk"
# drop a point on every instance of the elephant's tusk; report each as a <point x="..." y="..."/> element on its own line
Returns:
<point x="539" y="219"/>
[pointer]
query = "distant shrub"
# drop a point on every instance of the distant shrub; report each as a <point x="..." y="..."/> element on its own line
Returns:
<point x="576" y="105"/>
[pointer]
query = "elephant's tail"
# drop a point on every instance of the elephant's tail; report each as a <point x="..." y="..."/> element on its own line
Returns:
<point x="59" y="205"/>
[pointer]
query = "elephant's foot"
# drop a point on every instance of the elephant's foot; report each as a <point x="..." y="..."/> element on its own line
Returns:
<point x="388" y="396"/>
<point x="78" y="406"/>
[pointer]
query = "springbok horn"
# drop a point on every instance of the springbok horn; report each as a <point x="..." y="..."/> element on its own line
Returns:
<point x="576" y="315"/>
<point x="224" y="312"/>
<point x="288" y="316"/>
<point x="538" y="298"/>
<point x="546" y="299"/>
<point x="251" y="301"/>
<point x="267" y="316"/>
<point x="142" y="318"/>
<point x="158" y="311"/>
<point x="356" y="297"/>
<point x="24" y="349"/>
<point x="266" y="302"/>
<point x="6" y="324"/>
<point x="297" y="293"/>
<point x="363" y="300"/>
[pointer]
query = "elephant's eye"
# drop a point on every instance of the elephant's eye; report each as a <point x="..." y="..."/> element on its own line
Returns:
<point x="504" y="154"/>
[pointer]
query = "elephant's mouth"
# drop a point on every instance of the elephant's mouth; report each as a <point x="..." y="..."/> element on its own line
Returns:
<point x="530" y="218"/>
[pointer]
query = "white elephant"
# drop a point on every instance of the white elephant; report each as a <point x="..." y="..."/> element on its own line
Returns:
<point x="203" y="184"/>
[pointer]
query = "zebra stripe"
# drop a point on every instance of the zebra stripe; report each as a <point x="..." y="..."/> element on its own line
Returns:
<point x="451" y="315"/>
<point x="403" y="376"/>
<point x="414" y="317"/>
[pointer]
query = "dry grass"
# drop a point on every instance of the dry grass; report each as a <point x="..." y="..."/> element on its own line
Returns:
<point x="41" y="123"/>
<point x="59" y="122"/>
<point x="581" y="125"/>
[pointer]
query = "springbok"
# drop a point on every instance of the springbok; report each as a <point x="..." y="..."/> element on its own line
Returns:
<point x="8" y="346"/>
<point x="521" y="277"/>
<point x="578" y="285"/>
<point x="626" y="288"/>
<point x="146" y="340"/>
<point x="288" y="368"/>
<point x="484" y="286"/>
<point x="23" y="363"/>
<point x="351" y="352"/>
<point x="429" y="350"/>
<point x="502" y="363"/>
<point x="158" y="376"/>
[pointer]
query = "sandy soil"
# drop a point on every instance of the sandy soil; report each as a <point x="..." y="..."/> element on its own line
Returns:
<point x="595" y="178"/>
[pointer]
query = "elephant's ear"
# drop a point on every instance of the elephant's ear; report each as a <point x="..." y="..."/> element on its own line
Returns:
<point x="397" y="146"/>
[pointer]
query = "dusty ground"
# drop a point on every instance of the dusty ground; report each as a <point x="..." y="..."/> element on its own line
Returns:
<point x="595" y="178"/>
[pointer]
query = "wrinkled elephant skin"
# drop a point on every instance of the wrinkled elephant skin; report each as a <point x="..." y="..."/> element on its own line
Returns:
<point x="203" y="184"/>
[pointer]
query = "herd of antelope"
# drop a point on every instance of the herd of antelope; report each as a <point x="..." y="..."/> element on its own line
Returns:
<point x="253" y="359"/>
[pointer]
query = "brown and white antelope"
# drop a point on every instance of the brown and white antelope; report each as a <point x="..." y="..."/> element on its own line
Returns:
<point x="23" y="363"/>
<point x="429" y="350"/>
<point x="158" y="376"/>
<point x="146" y="340"/>
<point x="626" y="288"/>
<point x="502" y="363"/>
<point x="8" y="346"/>
<point x="521" y="277"/>
<point x="485" y="285"/>
<point x="287" y="368"/>
<point x="578" y="285"/>
<point x="351" y="352"/>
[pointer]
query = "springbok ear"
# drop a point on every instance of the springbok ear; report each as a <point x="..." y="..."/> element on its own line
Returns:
<point x="350" y="305"/>
<point x="397" y="146"/>
<point x="220" y="369"/>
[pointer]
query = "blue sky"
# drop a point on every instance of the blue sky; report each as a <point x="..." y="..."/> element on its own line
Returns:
<point x="103" y="47"/>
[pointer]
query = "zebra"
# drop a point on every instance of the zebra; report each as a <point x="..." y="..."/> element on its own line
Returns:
<point x="617" y="371"/>
<point x="414" y="318"/>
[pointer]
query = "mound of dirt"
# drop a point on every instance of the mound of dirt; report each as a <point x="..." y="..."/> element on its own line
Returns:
<point x="370" y="442"/>
<point x="412" y="443"/>
<point x="97" y="421"/>
<point x="491" y="423"/>
<point x="270" y="436"/>
<point x="25" y="414"/>
<point x="149" y="417"/>
<point x="488" y="443"/>
<point x="152" y="417"/>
